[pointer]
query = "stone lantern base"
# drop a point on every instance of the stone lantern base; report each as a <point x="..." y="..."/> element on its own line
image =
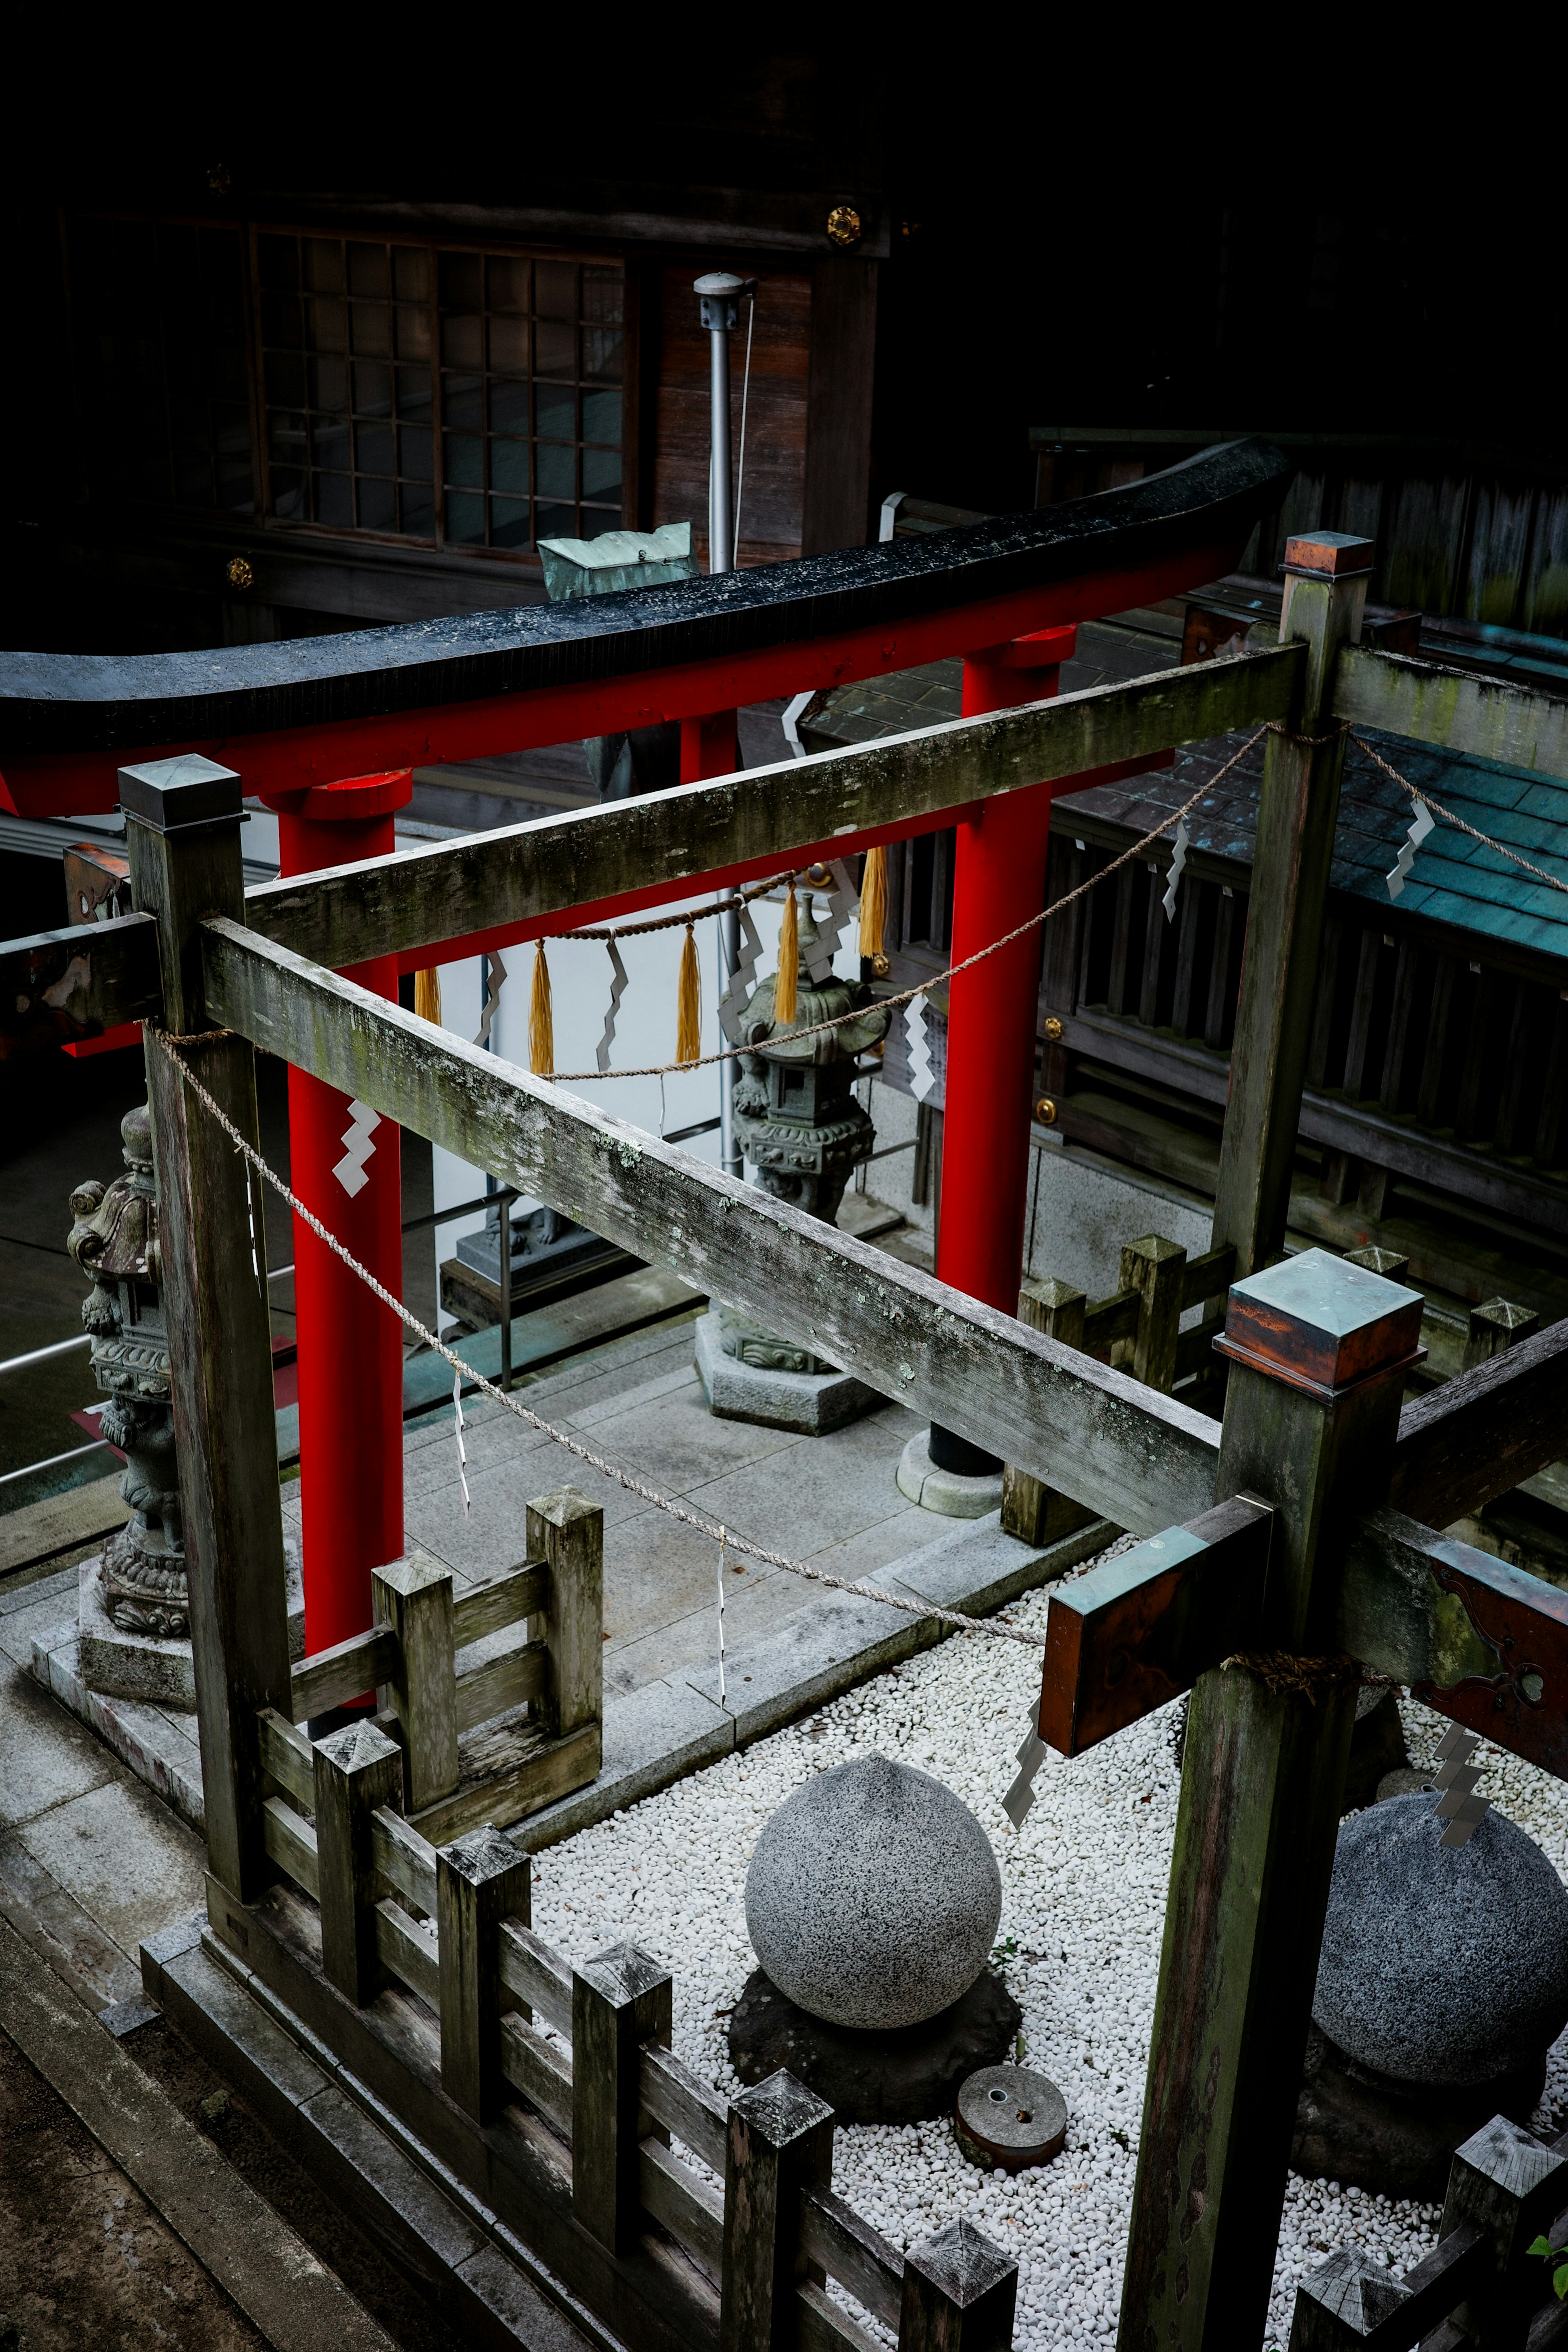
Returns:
<point x="810" y="1404"/>
<point x="121" y="1664"/>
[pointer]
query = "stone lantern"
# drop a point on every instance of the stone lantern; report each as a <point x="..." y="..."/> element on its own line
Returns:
<point x="797" y="1122"/>
<point x="141" y="1571"/>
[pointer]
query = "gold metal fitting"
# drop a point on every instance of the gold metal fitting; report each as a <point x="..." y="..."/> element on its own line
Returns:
<point x="1045" y="1111"/>
<point x="1053" y="1028"/>
<point x="238" y="572"/>
<point x="217" y="178"/>
<point x="843" y="226"/>
<point x="881" y="966"/>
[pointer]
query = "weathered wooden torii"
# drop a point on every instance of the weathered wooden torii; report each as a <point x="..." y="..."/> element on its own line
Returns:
<point x="1316" y="1555"/>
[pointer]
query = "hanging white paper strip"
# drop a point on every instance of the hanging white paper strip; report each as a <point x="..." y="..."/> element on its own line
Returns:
<point x="1425" y="823"/>
<point x="617" y="990"/>
<point x="496" y="970"/>
<point x="1178" y="867"/>
<point x="922" y="1077"/>
<point x="742" y="980"/>
<point x="357" y="1148"/>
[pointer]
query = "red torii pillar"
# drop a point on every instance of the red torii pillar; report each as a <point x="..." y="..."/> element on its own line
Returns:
<point x="998" y="882"/>
<point x="346" y="1167"/>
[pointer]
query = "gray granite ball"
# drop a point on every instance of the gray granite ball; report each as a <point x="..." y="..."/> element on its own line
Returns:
<point x="1442" y="1964"/>
<point x="873" y="1895"/>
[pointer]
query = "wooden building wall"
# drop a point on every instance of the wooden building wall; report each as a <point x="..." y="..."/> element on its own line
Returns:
<point x="773" y="490"/>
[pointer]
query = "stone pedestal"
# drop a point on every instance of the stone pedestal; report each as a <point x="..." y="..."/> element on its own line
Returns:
<point x="946" y="1492"/>
<point x="810" y="1404"/>
<point x="157" y="1669"/>
<point x="902" y="2074"/>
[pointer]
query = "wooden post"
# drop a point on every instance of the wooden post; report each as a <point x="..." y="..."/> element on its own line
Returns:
<point x="414" y="1596"/>
<point x="480" y="1880"/>
<point x="1386" y="1262"/>
<point x="1494" y="1326"/>
<point x="568" y="1532"/>
<point x="356" y="1770"/>
<point x="1319" y="1351"/>
<point x="183" y="820"/>
<point x="960" y="2294"/>
<point x="779" y="2139"/>
<point x="1038" y="1514"/>
<point x="1325" y="592"/>
<point x="620" y="1998"/>
<point x="1154" y="1269"/>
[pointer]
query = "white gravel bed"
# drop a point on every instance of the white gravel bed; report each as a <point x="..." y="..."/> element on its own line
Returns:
<point x="1083" y="1901"/>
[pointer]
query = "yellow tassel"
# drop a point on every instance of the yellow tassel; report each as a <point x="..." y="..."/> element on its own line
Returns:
<point x="689" y="1004"/>
<point x="873" y="902"/>
<point x="427" y="994"/>
<point x="789" y="956"/>
<point x="541" y="1022"/>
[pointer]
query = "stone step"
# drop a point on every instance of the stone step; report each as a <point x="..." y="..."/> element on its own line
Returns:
<point x="458" y="2252"/>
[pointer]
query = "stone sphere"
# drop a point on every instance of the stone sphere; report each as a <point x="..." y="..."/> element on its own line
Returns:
<point x="873" y="1895"/>
<point x="1442" y="1964"/>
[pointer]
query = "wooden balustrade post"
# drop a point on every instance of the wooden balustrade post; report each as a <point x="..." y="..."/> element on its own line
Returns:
<point x="356" y="1770"/>
<point x="1504" y="2182"/>
<point x="780" y="2141"/>
<point x="567" y="1532"/>
<point x="480" y="1880"/>
<point x="414" y="1596"/>
<point x="620" y="1998"/>
<point x="960" y="2294"/>
<point x="1155" y="1269"/>
<point x="1494" y="1325"/>
<point x="1319" y="1352"/>
<point x="1038" y="1514"/>
<point x="183" y="820"/>
<point x="1325" y="594"/>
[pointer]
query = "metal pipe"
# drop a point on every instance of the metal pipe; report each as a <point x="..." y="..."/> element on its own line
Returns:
<point x="36" y="1355"/>
<point x="48" y="1463"/>
<point x="504" y="1269"/>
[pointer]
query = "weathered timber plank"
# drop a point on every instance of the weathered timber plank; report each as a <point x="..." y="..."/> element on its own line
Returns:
<point x="690" y="2208"/>
<point x="488" y="1608"/>
<point x="1138" y="1458"/>
<point x="536" y="2068"/>
<point x="849" y="2250"/>
<point x="536" y="1973"/>
<point x="1129" y="1637"/>
<point x="538" y="1770"/>
<point x="58" y="987"/>
<point x="402" y="1855"/>
<point x="500" y="1683"/>
<point x="1480" y="1433"/>
<point x="1473" y="1637"/>
<point x="558" y="864"/>
<point x="409" y="1950"/>
<point x="332" y="1676"/>
<point x="1491" y="716"/>
<point x="822" y="2325"/>
<point x="685" y="2104"/>
<point x="286" y="1755"/>
<point x="292" y="1842"/>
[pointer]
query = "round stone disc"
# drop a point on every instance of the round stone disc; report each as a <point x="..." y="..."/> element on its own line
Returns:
<point x="1011" y="2117"/>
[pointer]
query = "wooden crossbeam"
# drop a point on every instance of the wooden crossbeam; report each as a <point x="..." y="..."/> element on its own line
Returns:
<point x="1458" y="711"/>
<point x="635" y="852"/>
<point x="1481" y="1432"/>
<point x="1137" y="1457"/>
<point x="58" y="987"/>
<point x="1479" y="1640"/>
<point x="1138" y="1630"/>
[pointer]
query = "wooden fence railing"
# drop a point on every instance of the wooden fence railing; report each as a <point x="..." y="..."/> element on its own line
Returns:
<point x="414" y="1653"/>
<point x="1479" y="2285"/>
<point x="1138" y="1328"/>
<point x="618" y="2117"/>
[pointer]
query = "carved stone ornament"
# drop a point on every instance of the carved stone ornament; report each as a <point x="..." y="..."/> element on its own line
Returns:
<point x="796" y="1118"/>
<point x="114" y="1240"/>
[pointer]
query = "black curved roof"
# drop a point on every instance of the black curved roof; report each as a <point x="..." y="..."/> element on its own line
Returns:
<point x="104" y="702"/>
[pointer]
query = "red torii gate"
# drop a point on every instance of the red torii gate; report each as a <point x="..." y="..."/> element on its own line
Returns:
<point x="1007" y="596"/>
